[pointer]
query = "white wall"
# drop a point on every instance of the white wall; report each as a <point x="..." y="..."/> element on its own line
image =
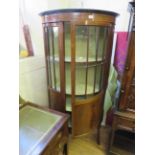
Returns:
<point x="29" y="10"/>
<point x="119" y="6"/>
<point x="32" y="80"/>
<point x="32" y="76"/>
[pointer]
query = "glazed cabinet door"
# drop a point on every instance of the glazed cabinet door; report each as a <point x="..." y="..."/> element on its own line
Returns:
<point x="90" y="54"/>
<point x="54" y="50"/>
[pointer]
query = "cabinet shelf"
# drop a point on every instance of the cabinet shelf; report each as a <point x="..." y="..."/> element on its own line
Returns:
<point x="78" y="91"/>
<point x="79" y="60"/>
<point x="79" y="88"/>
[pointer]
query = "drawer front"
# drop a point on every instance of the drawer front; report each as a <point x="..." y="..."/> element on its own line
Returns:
<point x="125" y="123"/>
<point x="56" y="144"/>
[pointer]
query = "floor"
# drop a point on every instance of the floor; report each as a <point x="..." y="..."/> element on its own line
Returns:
<point x="87" y="145"/>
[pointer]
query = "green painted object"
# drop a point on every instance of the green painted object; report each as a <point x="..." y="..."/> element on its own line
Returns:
<point x="111" y="89"/>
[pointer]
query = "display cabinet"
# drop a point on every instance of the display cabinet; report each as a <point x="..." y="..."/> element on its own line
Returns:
<point x="78" y="46"/>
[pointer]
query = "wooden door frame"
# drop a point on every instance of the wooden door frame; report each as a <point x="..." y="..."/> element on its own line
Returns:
<point x="106" y="64"/>
<point x="60" y="26"/>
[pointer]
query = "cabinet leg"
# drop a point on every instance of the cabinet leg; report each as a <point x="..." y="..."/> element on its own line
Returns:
<point x="65" y="152"/>
<point x="98" y="136"/>
<point x="111" y="139"/>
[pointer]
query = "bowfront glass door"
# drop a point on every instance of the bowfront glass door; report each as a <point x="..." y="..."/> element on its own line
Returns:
<point x="53" y="58"/>
<point x="90" y="46"/>
<point x="88" y="65"/>
<point x="55" y="65"/>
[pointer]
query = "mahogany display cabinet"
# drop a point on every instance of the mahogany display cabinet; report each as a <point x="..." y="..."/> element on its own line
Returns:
<point x="78" y="46"/>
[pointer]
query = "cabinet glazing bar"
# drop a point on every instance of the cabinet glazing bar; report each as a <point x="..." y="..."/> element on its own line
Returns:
<point x="87" y="61"/>
<point x="104" y="56"/>
<point x="73" y="78"/>
<point x="97" y="44"/>
<point x="53" y="56"/>
<point x="46" y="48"/>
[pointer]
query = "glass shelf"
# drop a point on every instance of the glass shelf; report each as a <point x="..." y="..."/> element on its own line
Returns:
<point x="79" y="87"/>
<point x="68" y="101"/>
<point x="78" y="59"/>
<point x="89" y="81"/>
<point x="78" y="90"/>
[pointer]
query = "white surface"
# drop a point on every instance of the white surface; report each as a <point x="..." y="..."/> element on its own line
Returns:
<point x="32" y="80"/>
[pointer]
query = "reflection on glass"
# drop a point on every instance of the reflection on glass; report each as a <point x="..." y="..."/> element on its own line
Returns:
<point x="81" y="43"/>
<point x="54" y="76"/>
<point x="90" y="80"/>
<point x="80" y="80"/>
<point x="55" y="38"/>
<point x="67" y="41"/>
<point x="98" y="78"/>
<point x="51" y="76"/>
<point x="57" y="76"/>
<point x="102" y="42"/>
<point x="53" y="43"/>
<point x="68" y="103"/>
<point x="90" y="46"/>
<point x="68" y="78"/>
<point x="90" y="43"/>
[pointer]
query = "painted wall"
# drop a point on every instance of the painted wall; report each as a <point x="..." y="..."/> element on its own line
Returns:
<point x="32" y="80"/>
<point x="119" y="6"/>
<point x="29" y="11"/>
<point x="32" y="76"/>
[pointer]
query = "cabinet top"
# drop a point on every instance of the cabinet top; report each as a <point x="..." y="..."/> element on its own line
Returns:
<point x="78" y="11"/>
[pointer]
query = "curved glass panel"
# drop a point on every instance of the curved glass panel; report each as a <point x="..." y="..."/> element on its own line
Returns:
<point x="90" y="48"/>
<point x="80" y="79"/>
<point x="53" y="59"/>
<point x="98" y="78"/>
<point x="68" y="78"/>
<point x="90" y="80"/>
<point x="90" y="43"/>
<point x="81" y="43"/>
<point x="67" y="28"/>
